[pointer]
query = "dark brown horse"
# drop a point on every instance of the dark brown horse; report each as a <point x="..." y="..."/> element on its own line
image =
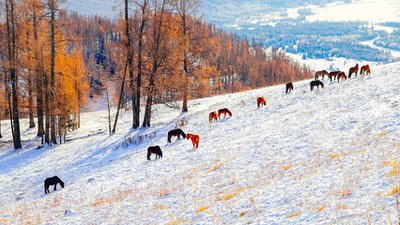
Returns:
<point x="224" y="111"/>
<point x="341" y="75"/>
<point x="176" y="132"/>
<point x="212" y="116"/>
<point x="321" y="73"/>
<point x="289" y="87"/>
<point x="316" y="83"/>
<point x="333" y="74"/>
<point x="52" y="181"/>
<point x="353" y="70"/>
<point x="261" y="101"/>
<point x="365" y="70"/>
<point x="155" y="150"/>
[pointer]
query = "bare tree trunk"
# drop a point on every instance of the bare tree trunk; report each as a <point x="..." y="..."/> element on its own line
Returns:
<point x="39" y="78"/>
<point x="121" y="94"/>
<point x="129" y="57"/>
<point x="185" y="66"/>
<point x="30" y="100"/>
<point x="109" y="114"/>
<point x="11" y="43"/>
<point x="52" y="104"/>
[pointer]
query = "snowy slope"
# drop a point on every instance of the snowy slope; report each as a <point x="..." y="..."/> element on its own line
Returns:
<point x="306" y="158"/>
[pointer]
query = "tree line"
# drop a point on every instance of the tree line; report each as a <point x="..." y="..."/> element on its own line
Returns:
<point x="157" y="51"/>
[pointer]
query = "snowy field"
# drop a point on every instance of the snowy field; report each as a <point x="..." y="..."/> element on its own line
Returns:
<point x="306" y="158"/>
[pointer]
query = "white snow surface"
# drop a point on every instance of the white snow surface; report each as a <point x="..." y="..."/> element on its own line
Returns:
<point x="306" y="158"/>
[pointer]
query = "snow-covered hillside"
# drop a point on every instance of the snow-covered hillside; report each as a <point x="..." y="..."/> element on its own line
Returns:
<point x="306" y="158"/>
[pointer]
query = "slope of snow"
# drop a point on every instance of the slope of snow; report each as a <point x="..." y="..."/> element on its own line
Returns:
<point x="306" y="158"/>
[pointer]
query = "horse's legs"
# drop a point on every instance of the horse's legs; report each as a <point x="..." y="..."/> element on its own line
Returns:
<point x="55" y="187"/>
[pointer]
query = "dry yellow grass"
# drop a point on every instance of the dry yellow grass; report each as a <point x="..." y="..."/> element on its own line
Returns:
<point x="117" y="197"/>
<point x="345" y="192"/>
<point x="228" y="196"/>
<point x="217" y="166"/>
<point x="295" y="214"/>
<point x="287" y="167"/>
<point x="202" y="209"/>
<point x="243" y="213"/>
<point x="333" y="155"/>
<point x="341" y="207"/>
<point x="394" y="191"/>
<point x="321" y="208"/>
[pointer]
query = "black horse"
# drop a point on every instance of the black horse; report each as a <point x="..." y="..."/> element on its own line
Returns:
<point x="154" y="149"/>
<point x="316" y="83"/>
<point x="177" y="132"/>
<point x="289" y="87"/>
<point x="52" y="181"/>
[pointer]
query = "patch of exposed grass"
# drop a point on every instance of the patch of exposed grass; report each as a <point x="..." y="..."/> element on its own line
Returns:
<point x="202" y="209"/>
<point x="295" y="214"/>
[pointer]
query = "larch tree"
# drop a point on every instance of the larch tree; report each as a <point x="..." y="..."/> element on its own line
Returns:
<point x="185" y="9"/>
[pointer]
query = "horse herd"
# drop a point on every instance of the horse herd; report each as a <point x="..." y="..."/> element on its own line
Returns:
<point x="214" y="116"/>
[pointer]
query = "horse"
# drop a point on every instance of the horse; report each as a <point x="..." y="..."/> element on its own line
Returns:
<point x="212" y="116"/>
<point x="176" y="132"/>
<point x="224" y="111"/>
<point x="333" y="74"/>
<point x="353" y="70"/>
<point x="341" y="75"/>
<point x="321" y="73"/>
<point x="52" y="181"/>
<point x="365" y="70"/>
<point x="316" y="83"/>
<point x="289" y="87"/>
<point x="195" y="140"/>
<point x="261" y="101"/>
<point x="154" y="149"/>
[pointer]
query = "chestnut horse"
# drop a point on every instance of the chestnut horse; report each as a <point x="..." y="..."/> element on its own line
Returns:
<point x="289" y="87"/>
<point x="224" y="111"/>
<point x="353" y="70"/>
<point x="321" y="73"/>
<point x="177" y="132"/>
<point x="333" y="74"/>
<point x="155" y="150"/>
<point x="341" y="75"/>
<point x="261" y="101"/>
<point x="212" y="116"/>
<point x="316" y="83"/>
<point x="195" y="140"/>
<point x="52" y="181"/>
<point x="365" y="70"/>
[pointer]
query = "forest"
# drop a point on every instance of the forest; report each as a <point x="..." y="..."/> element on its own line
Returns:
<point x="53" y="62"/>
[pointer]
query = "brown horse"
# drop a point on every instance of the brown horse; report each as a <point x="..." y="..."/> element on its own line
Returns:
<point x="261" y="101"/>
<point x="365" y="70"/>
<point x="341" y="75"/>
<point x="212" y="116"/>
<point x="333" y="74"/>
<point x="289" y="87"/>
<point x="316" y="83"/>
<point x="195" y="140"/>
<point x="353" y="70"/>
<point x="321" y="73"/>
<point x="155" y="150"/>
<point x="224" y="111"/>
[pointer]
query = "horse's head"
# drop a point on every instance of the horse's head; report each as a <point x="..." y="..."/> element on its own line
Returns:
<point x="189" y="136"/>
<point x="62" y="183"/>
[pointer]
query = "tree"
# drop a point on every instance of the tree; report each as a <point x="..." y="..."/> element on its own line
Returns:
<point x="185" y="9"/>
<point x="12" y="69"/>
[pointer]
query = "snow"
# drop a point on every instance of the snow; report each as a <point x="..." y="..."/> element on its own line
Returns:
<point x="358" y="10"/>
<point x="306" y="158"/>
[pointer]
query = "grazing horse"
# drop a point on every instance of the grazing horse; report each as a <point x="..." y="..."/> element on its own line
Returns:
<point x="224" y="111"/>
<point x="365" y="70"/>
<point x="353" y="70"/>
<point x="195" y="140"/>
<point x="333" y="74"/>
<point x="177" y="132"/>
<point x="321" y="73"/>
<point x="289" y="87"/>
<point x="155" y="150"/>
<point x="261" y="101"/>
<point x="52" y="181"/>
<point x="341" y="75"/>
<point x="212" y="116"/>
<point x="316" y="83"/>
